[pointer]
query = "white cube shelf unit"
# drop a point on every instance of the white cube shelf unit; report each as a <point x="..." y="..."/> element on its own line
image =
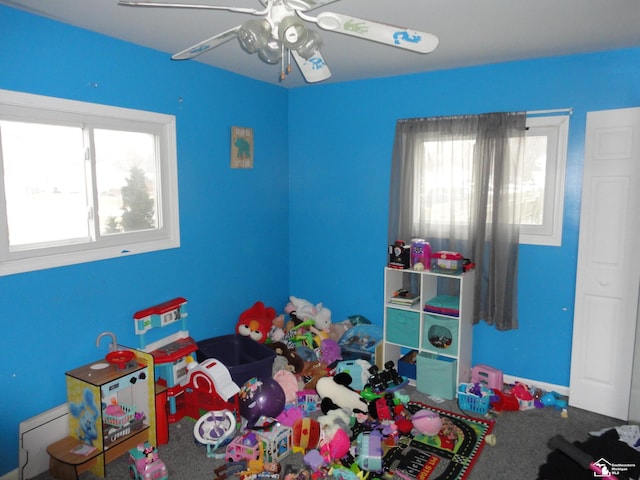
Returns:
<point x="443" y="341"/>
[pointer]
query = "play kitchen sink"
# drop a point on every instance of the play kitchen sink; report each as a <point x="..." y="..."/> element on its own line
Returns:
<point x="116" y="356"/>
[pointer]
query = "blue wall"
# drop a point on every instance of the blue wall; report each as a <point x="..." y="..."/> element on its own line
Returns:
<point x="339" y="189"/>
<point x="309" y="220"/>
<point x="232" y="221"/>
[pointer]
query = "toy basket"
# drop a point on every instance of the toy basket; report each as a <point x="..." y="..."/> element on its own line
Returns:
<point x="120" y="420"/>
<point x="472" y="402"/>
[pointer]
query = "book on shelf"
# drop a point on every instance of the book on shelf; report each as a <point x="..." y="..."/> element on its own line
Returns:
<point x="404" y="297"/>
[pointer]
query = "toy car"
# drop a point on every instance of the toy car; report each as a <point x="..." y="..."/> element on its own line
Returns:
<point x="244" y="447"/>
<point x="144" y="463"/>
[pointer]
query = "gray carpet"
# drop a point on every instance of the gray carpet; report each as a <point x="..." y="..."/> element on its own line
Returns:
<point x="520" y="449"/>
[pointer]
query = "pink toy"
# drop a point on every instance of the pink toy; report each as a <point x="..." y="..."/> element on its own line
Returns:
<point x="427" y="422"/>
<point x="289" y="383"/>
<point x="289" y="416"/>
<point x="338" y="447"/>
<point x="490" y="376"/>
<point x="144" y="463"/>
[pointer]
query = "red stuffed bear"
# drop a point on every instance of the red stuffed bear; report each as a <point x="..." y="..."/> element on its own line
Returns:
<point x="256" y="322"/>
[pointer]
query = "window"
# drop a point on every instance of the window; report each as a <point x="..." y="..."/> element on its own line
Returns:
<point x="83" y="182"/>
<point x="543" y="180"/>
<point x="542" y="186"/>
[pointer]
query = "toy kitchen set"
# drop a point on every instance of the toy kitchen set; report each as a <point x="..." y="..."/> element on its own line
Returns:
<point x="112" y="409"/>
<point x="172" y="353"/>
<point x="129" y="396"/>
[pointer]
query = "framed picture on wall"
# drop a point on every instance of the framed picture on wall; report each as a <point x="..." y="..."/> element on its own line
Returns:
<point x="241" y="147"/>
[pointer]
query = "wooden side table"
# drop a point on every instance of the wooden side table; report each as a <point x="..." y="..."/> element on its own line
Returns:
<point x="66" y="465"/>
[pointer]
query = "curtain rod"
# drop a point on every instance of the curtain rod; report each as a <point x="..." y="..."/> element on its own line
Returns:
<point x="531" y="113"/>
<point x="567" y="111"/>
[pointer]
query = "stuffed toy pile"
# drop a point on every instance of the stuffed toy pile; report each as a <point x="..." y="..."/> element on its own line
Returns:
<point x="304" y="338"/>
<point x="325" y="406"/>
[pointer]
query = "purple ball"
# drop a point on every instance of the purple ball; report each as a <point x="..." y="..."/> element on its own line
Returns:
<point x="261" y="396"/>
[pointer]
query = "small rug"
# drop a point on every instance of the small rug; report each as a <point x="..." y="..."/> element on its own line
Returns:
<point x="450" y="455"/>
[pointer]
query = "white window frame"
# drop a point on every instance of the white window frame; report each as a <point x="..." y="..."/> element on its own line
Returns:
<point x="556" y="128"/>
<point x="40" y="108"/>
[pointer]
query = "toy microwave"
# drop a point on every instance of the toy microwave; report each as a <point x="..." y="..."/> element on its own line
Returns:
<point x="447" y="262"/>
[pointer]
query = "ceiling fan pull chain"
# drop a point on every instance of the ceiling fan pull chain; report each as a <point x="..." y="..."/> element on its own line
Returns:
<point x="282" y="62"/>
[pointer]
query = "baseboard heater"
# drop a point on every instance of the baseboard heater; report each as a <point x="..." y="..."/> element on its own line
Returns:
<point x="35" y="435"/>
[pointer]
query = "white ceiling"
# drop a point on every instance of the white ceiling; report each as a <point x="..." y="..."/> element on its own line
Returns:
<point x="471" y="32"/>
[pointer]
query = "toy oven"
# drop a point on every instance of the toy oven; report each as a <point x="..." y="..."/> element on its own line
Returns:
<point x="174" y="373"/>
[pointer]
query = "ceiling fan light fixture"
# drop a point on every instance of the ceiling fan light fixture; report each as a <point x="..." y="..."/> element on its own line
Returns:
<point x="311" y="45"/>
<point x="254" y="35"/>
<point x="292" y="32"/>
<point x="272" y="52"/>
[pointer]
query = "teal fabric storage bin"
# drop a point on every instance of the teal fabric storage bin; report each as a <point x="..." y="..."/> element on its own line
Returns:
<point x="403" y="327"/>
<point x="440" y="334"/>
<point x="436" y="375"/>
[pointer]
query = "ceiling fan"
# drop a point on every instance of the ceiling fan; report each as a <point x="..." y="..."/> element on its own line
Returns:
<point x="281" y="34"/>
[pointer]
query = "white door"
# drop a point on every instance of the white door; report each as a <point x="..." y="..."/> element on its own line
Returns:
<point x="608" y="265"/>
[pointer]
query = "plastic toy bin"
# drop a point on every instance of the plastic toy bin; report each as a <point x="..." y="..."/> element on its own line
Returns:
<point x="403" y="327"/>
<point x="436" y="375"/>
<point x="407" y="365"/>
<point x="440" y="334"/>
<point x="245" y="358"/>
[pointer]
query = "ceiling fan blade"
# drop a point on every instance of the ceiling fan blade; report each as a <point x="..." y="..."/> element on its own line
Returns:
<point x="306" y="5"/>
<point x="395" y="36"/>
<point x="206" y="45"/>
<point x="133" y="3"/>
<point x="315" y="69"/>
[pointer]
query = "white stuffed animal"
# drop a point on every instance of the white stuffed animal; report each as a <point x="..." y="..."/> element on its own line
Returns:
<point x="303" y="308"/>
<point x="336" y="393"/>
<point x="322" y="319"/>
<point x="333" y="421"/>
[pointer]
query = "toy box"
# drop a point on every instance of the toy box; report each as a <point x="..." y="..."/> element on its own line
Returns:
<point x="360" y="342"/>
<point x="355" y="369"/>
<point x="447" y="262"/>
<point x="474" y="398"/>
<point x="403" y="327"/>
<point x="276" y="442"/>
<point x="436" y="375"/>
<point x="245" y="358"/>
<point x="407" y="365"/>
<point x="440" y="334"/>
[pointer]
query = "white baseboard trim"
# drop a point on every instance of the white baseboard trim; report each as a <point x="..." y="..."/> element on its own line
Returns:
<point x="547" y="387"/>
<point x="13" y="475"/>
<point x="511" y="379"/>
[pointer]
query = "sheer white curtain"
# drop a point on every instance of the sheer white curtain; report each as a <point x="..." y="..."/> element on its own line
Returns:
<point x="455" y="181"/>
